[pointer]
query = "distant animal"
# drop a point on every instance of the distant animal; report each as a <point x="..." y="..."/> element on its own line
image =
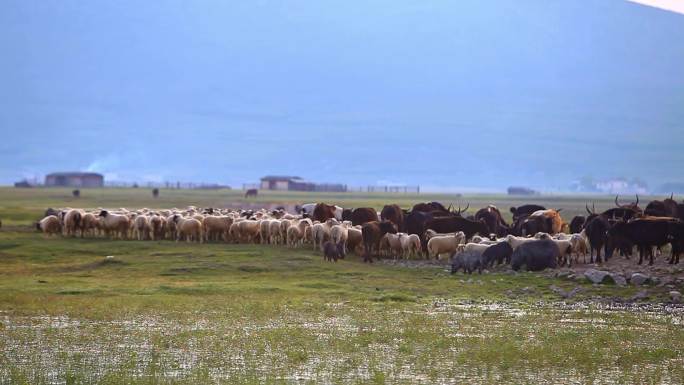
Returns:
<point x="155" y="192"/>
<point x="372" y="233"/>
<point x="76" y="193"/>
<point x="468" y="261"/>
<point x="535" y="255"/>
<point x="251" y="193"/>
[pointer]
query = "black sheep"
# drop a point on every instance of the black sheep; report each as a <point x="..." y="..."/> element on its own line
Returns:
<point x="536" y="255"/>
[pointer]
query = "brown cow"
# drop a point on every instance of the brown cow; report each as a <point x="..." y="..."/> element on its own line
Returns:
<point x="394" y="214"/>
<point x="372" y="233"/>
<point x="363" y="215"/>
<point x="323" y="212"/>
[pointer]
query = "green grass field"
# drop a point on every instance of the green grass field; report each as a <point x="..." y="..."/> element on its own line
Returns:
<point x="161" y="312"/>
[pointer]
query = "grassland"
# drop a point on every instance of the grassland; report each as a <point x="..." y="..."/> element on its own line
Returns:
<point x="161" y="312"/>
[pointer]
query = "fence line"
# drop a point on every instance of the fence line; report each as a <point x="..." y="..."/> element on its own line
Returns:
<point x="167" y="185"/>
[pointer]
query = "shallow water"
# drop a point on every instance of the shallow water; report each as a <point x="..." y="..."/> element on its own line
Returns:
<point x="297" y="348"/>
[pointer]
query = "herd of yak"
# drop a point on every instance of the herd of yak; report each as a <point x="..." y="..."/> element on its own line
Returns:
<point x="536" y="237"/>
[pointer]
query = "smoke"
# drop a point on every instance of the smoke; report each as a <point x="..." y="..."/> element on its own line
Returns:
<point x="115" y="168"/>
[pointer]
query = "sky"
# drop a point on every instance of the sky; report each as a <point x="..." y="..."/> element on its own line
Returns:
<point x="443" y="94"/>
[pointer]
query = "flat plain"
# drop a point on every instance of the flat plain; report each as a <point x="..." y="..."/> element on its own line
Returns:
<point x="166" y="312"/>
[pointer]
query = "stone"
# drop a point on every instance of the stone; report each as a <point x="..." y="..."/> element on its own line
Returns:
<point x="638" y="279"/>
<point x="563" y="274"/>
<point x="596" y="276"/>
<point x="675" y="296"/>
<point x="619" y="279"/>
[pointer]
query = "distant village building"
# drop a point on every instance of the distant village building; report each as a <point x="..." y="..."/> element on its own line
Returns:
<point x="515" y="190"/>
<point x="74" y="179"/>
<point x="611" y="186"/>
<point x="295" y="183"/>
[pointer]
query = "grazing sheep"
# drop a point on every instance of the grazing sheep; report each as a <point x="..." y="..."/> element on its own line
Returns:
<point x="275" y="235"/>
<point x="339" y="234"/>
<point x="265" y="231"/>
<point x="500" y="252"/>
<point x="249" y="231"/>
<point x="535" y="255"/>
<point x="477" y="248"/>
<point x="579" y="246"/>
<point x="391" y="244"/>
<point x="429" y="233"/>
<point x="332" y="251"/>
<point x="157" y="225"/>
<point x="141" y="227"/>
<point x="410" y="244"/>
<point x="294" y="236"/>
<point x="320" y="232"/>
<point x="515" y="242"/>
<point x="564" y="246"/>
<point x="354" y="240"/>
<point x="49" y="225"/>
<point x="215" y="228"/>
<point x="234" y="232"/>
<point x="89" y="224"/>
<point x="114" y="224"/>
<point x="439" y="245"/>
<point x="189" y="229"/>
<point x="72" y="222"/>
<point x="468" y="261"/>
<point x="285" y="225"/>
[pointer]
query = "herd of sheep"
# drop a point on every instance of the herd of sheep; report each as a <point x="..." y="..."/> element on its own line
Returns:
<point x="334" y="237"/>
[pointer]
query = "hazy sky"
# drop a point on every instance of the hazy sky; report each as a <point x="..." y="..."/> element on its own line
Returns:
<point x="440" y="93"/>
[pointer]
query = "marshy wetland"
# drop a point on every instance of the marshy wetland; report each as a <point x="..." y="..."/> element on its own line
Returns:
<point x="165" y="312"/>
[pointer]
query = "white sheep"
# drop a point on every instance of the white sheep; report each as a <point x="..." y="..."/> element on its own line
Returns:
<point x="517" y="241"/>
<point x="114" y="224"/>
<point x="410" y="244"/>
<point x="215" y="228"/>
<point x="391" y="243"/>
<point x="439" y="245"/>
<point x="49" y="225"/>
<point x="189" y="229"/>
<point x="141" y="227"/>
